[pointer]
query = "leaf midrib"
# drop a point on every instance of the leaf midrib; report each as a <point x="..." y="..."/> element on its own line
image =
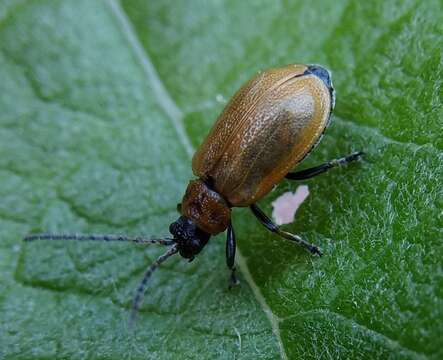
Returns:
<point x="175" y="115"/>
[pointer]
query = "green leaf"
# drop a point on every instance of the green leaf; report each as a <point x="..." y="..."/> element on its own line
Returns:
<point x="102" y="104"/>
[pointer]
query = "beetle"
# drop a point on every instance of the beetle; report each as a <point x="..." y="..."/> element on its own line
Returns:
<point x="269" y="126"/>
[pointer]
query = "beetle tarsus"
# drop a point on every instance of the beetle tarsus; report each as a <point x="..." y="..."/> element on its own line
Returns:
<point x="352" y="157"/>
<point x="233" y="280"/>
<point x="271" y="226"/>
<point x="315" y="251"/>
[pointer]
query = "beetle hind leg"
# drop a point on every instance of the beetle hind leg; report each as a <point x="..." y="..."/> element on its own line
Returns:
<point x="320" y="169"/>
<point x="230" y="255"/>
<point x="271" y="226"/>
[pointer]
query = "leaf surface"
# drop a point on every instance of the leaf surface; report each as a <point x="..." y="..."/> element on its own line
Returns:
<point x="102" y="104"/>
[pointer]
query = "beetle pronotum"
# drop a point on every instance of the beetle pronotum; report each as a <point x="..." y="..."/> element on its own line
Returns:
<point x="268" y="127"/>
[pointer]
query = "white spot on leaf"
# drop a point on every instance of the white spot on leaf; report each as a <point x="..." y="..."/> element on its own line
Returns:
<point x="287" y="204"/>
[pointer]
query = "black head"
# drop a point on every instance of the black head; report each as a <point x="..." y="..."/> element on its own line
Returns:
<point x="189" y="238"/>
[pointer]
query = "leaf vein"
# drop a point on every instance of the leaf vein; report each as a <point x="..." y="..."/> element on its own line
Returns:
<point x="176" y="117"/>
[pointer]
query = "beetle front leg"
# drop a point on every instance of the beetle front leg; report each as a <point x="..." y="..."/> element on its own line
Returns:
<point x="230" y="255"/>
<point x="309" y="173"/>
<point x="269" y="224"/>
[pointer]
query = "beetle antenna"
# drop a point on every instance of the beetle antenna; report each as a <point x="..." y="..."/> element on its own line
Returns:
<point x="99" y="237"/>
<point x="142" y="286"/>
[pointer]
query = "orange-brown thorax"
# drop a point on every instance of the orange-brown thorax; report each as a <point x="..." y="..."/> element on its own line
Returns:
<point x="205" y="207"/>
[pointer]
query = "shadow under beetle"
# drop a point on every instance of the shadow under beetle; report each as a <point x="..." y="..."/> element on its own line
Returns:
<point x="270" y="125"/>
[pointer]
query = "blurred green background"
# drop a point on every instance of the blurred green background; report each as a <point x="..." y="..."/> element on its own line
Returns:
<point x="101" y="106"/>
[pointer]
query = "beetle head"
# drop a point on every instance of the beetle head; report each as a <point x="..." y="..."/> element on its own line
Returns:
<point x="189" y="238"/>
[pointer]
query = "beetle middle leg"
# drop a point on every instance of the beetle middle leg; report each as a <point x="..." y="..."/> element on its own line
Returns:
<point x="271" y="226"/>
<point x="320" y="169"/>
<point x="230" y="255"/>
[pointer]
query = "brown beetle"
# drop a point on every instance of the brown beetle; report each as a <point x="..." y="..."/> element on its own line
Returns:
<point x="267" y="128"/>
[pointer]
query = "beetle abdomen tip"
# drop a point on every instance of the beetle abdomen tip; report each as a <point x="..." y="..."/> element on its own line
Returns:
<point x="322" y="73"/>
